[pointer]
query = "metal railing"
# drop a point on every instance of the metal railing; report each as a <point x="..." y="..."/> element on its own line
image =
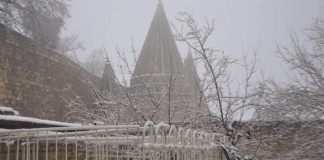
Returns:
<point x="129" y="142"/>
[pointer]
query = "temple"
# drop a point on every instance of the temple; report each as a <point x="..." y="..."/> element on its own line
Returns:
<point x="160" y="80"/>
<point x="162" y="87"/>
<point x="108" y="80"/>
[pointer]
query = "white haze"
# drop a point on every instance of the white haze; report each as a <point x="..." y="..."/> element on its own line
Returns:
<point x="241" y="26"/>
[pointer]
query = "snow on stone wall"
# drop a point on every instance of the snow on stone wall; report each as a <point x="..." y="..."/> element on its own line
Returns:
<point x="32" y="77"/>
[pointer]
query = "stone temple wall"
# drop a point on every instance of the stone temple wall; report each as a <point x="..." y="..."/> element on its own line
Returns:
<point x="33" y="78"/>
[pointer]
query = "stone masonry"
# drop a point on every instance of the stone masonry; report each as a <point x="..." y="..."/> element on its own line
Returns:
<point x="33" y="77"/>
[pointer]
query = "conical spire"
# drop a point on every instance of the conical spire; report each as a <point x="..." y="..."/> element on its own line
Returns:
<point x="159" y="54"/>
<point x="190" y="69"/>
<point x="108" y="82"/>
<point x="158" y="81"/>
<point x="193" y="81"/>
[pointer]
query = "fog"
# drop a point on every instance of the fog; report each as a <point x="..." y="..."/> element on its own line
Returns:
<point x="241" y="26"/>
<point x="225" y="104"/>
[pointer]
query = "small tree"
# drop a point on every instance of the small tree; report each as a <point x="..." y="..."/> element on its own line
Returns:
<point x="159" y="105"/>
<point x="301" y="99"/>
<point x="95" y="63"/>
<point x="228" y="102"/>
<point x="69" y="46"/>
<point x="122" y="104"/>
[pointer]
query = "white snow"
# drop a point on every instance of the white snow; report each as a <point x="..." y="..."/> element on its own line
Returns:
<point x="37" y="121"/>
<point x="1" y="129"/>
<point x="98" y="123"/>
<point x="8" y="109"/>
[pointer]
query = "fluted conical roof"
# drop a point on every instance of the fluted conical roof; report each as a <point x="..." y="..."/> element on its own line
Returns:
<point x="158" y="81"/>
<point x="108" y="82"/>
<point x="191" y="72"/>
<point x="159" y="54"/>
<point x="194" y="84"/>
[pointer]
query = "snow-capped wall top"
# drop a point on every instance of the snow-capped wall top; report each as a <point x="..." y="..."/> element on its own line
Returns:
<point x="8" y="110"/>
<point x="36" y="121"/>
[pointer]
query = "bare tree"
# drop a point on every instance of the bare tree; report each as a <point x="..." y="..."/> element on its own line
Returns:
<point x="301" y="99"/>
<point x="104" y="107"/>
<point x="124" y="105"/>
<point x="95" y="63"/>
<point x="163" y="104"/>
<point x="69" y="46"/>
<point x="229" y="102"/>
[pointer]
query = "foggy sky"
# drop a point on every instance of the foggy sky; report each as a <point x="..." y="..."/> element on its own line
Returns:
<point x="241" y="25"/>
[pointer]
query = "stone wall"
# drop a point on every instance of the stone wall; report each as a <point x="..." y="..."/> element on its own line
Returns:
<point x="33" y="77"/>
<point x="281" y="139"/>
